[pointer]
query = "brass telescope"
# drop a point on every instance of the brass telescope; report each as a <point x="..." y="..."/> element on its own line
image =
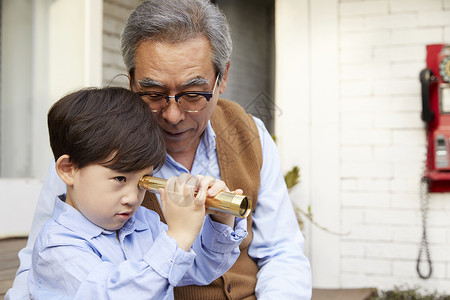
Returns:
<point x="236" y="205"/>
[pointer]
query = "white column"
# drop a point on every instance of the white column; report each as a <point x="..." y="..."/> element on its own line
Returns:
<point x="75" y="45"/>
<point x="292" y="92"/>
<point x="307" y="131"/>
<point x="67" y="39"/>
<point x="325" y="133"/>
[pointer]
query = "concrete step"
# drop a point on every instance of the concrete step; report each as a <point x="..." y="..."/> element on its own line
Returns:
<point x="343" y="294"/>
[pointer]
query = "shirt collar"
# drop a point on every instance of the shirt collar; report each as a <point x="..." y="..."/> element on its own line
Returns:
<point x="209" y="138"/>
<point x="69" y="217"/>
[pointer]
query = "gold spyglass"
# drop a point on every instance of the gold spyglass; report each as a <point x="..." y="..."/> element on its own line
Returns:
<point x="236" y="205"/>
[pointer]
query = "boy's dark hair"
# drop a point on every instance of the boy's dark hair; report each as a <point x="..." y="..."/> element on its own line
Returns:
<point x="92" y="124"/>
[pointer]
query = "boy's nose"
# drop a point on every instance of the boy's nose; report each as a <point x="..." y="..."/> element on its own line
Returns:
<point x="132" y="197"/>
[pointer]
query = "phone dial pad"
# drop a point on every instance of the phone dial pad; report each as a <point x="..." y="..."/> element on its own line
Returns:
<point x="444" y="66"/>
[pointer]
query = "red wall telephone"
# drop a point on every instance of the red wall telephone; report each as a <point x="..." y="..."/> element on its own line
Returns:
<point x="435" y="80"/>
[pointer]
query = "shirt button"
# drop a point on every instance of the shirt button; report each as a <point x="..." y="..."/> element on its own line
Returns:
<point x="229" y="288"/>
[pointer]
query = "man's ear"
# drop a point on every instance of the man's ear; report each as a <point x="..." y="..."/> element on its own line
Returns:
<point x="130" y="81"/>
<point x="223" y="81"/>
<point x="65" y="169"/>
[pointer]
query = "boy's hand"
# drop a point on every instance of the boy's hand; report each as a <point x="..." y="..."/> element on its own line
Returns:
<point x="183" y="212"/>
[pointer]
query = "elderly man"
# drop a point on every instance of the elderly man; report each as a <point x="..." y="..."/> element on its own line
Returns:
<point x="177" y="54"/>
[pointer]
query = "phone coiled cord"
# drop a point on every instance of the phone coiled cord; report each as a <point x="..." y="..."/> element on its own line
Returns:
<point x="424" y="247"/>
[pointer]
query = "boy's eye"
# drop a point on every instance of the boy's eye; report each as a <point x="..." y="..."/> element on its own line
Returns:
<point x="121" y="178"/>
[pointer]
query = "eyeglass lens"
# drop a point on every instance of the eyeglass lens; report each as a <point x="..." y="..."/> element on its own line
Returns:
<point x="190" y="102"/>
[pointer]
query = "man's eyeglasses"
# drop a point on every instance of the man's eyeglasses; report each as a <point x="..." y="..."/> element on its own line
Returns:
<point x="188" y="101"/>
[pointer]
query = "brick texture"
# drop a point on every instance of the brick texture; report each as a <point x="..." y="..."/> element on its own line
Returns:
<point x="115" y="14"/>
<point x="382" y="50"/>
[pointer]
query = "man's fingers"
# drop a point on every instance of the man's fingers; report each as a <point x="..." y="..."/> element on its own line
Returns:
<point x="200" y="198"/>
<point x="238" y="192"/>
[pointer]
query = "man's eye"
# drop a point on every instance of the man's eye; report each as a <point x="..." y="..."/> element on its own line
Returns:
<point x="192" y="97"/>
<point x="153" y="96"/>
<point x="121" y="178"/>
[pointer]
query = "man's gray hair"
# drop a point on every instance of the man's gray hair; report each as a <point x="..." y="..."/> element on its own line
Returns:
<point x="173" y="21"/>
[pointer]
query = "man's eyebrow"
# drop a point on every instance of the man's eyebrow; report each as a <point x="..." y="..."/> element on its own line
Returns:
<point x="147" y="82"/>
<point x="195" y="81"/>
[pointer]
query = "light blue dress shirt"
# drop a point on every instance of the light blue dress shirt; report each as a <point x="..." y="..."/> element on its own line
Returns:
<point x="277" y="245"/>
<point x="75" y="259"/>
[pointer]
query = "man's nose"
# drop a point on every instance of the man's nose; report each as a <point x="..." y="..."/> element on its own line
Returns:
<point x="173" y="113"/>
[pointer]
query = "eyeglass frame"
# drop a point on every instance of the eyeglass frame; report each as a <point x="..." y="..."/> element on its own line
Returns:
<point x="207" y="95"/>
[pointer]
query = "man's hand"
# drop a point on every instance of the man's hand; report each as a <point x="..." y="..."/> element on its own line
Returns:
<point x="214" y="186"/>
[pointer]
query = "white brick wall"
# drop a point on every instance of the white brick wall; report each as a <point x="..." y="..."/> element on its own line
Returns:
<point x="382" y="50"/>
<point x="115" y="14"/>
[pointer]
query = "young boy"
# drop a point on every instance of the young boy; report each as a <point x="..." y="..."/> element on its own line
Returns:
<point x="100" y="243"/>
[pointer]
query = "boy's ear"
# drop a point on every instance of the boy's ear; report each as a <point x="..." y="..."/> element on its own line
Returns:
<point x="65" y="169"/>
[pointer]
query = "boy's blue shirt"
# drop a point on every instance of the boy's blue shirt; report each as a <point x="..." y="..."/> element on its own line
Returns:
<point x="74" y="258"/>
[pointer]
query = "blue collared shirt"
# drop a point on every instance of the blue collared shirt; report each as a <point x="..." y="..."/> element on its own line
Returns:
<point x="75" y="259"/>
<point x="277" y="245"/>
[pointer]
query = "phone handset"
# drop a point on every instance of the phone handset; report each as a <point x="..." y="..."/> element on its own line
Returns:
<point x="426" y="79"/>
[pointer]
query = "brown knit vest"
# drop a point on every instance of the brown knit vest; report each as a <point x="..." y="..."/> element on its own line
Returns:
<point x="240" y="161"/>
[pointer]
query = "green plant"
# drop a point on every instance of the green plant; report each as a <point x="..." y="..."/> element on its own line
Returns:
<point x="292" y="178"/>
